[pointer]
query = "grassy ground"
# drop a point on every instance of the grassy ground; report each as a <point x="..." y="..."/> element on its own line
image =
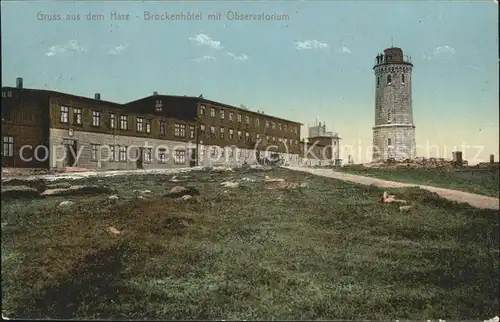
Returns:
<point x="329" y="250"/>
<point x="475" y="180"/>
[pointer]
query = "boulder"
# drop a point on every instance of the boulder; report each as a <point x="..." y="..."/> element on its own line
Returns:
<point x="179" y="191"/>
<point x="76" y="191"/>
<point x="19" y="192"/>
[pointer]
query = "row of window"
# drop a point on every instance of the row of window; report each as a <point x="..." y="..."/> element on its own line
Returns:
<point x="120" y="154"/>
<point x="389" y="79"/>
<point x="281" y="127"/>
<point x="230" y="152"/>
<point x="239" y="135"/>
<point x="142" y="124"/>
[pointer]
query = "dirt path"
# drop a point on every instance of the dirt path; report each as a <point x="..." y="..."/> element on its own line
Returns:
<point x="472" y="199"/>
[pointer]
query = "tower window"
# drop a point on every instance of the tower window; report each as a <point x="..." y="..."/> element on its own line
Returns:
<point x="389" y="142"/>
<point x="389" y="79"/>
<point x="378" y="81"/>
<point x="402" y="78"/>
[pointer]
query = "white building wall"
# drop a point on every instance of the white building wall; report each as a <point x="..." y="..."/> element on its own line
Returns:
<point x="85" y="140"/>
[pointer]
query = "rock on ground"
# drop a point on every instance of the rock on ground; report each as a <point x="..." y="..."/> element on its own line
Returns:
<point x="66" y="203"/>
<point x="76" y="190"/>
<point x="19" y="192"/>
<point x="179" y="191"/>
<point x="230" y="184"/>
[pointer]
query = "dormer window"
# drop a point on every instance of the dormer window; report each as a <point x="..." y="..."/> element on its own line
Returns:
<point x="389" y="79"/>
<point x="158" y="106"/>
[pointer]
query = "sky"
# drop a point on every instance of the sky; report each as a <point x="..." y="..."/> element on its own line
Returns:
<point x="310" y="60"/>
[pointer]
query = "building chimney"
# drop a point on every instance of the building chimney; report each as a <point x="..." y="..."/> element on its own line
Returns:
<point x="155" y="93"/>
<point x="97" y="96"/>
<point x="19" y="82"/>
<point x="492" y="158"/>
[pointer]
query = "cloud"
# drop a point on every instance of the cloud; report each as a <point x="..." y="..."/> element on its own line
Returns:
<point x="242" y="57"/>
<point x="444" y="50"/>
<point x="311" y="45"/>
<point x="344" y="50"/>
<point x="71" y="46"/>
<point x="204" y="40"/>
<point x="204" y="59"/>
<point x="117" y="50"/>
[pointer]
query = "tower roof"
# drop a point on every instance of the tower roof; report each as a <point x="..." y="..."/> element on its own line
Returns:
<point x="394" y="55"/>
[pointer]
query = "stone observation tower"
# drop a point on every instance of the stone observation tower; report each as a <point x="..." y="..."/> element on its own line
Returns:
<point x="394" y="131"/>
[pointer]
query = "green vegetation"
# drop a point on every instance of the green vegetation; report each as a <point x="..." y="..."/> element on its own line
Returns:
<point x="475" y="180"/>
<point x="330" y="250"/>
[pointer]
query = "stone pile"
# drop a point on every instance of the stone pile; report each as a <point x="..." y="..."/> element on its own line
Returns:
<point x="426" y="163"/>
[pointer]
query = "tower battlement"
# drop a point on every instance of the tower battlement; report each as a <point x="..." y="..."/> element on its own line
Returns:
<point x="392" y="55"/>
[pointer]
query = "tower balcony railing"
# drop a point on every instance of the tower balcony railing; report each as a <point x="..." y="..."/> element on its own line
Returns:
<point x="383" y="59"/>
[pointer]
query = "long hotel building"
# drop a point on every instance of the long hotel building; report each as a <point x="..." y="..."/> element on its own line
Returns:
<point x="49" y="129"/>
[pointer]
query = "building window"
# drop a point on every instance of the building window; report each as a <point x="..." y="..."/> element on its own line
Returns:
<point x="239" y="118"/>
<point x="202" y="129"/>
<point x="231" y="134"/>
<point x="123" y="154"/>
<point x="378" y="81"/>
<point x="158" y="106"/>
<point x="273" y="125"/>
<point x="95" y="152"/>
<point x="222" y="130"/>
<point x="221" y="114"/>
<point x="123" y="122"/>
<point x="274" y="139"/>
<point x="148" y="155"/>
<point x="148" y="126"/>
<point x="8" y="146"/>
<point x="279" y="126"/>
<point x="240" y="136"/>
<point x="389" y="143"/>
<point x="389" y="116"/>
<point x="140" y="124"/>
<point x="179" y="130"/>
<point x="295" y="130"/>
<point x="286" y="128"/>
<point x="247" y="136"/>
<point x="402" y="78"/>
<point x="77" y="116"/>
<point x="212" y="131"/>
<point x="112" y="120"/>
<point x="389" y="79"/>
<point x="257" y="123"/>
<point x="64" y="114"/>
<point x="202" y="110"/>
<point x="112" y="152"/>
<point x="162" y="155"/>
<point x="191" y="132"/>
<point x="213" y="150"/>
<point x="212" y="112"/>
<point x="247" y="119"/>
<point x="230" y="153"/>
<point x="267" y="123"/>
<point x="163" y="128"/>
<point x="179" y="156"/>
<point x="231" y="116"/>
<point x="96" y="118"/>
